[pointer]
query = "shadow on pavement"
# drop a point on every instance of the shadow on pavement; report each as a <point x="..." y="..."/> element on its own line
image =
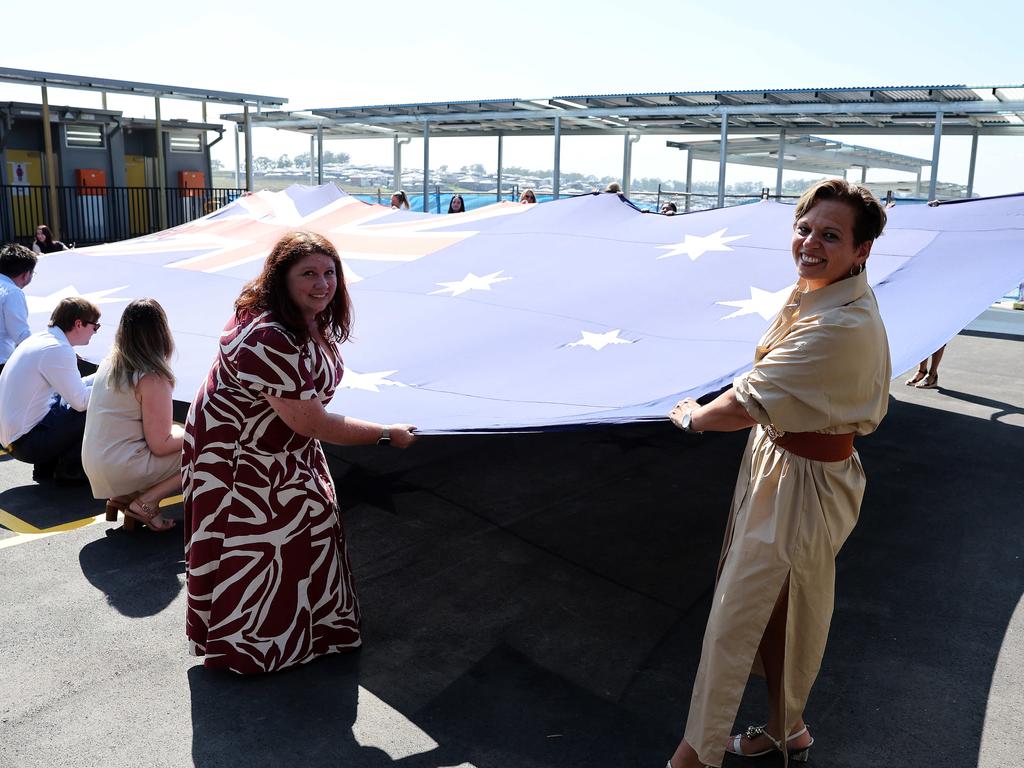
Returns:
<point x="539" y="600"/>
<point x="138" y="571"/>
<point x="300" y="717"/>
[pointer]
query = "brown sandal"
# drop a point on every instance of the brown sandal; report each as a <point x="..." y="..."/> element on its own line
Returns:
<point x="145" y="513"/>
<point x="114" y="506"/>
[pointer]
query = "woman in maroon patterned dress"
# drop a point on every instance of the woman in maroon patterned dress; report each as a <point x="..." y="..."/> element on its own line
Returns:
<point x="269" y="581"/>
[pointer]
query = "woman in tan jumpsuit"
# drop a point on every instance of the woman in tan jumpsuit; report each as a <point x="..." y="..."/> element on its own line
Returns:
<point x="821" y="376"/>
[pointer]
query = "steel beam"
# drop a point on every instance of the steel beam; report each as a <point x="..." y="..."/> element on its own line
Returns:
<point x="161" y="168"/>
<point x="689" y="178"/>
<point x="500" y="149"/>
<point x="426" y="165"/>
<point x="970" y="170"/>
<point x="248" y="150"/>
<point x="723" y="159"/>
<point x="319" y="154"/>
<point x="936" y="143"/>
<point x="51" y="168"/>
<point x="781" y="164"/>
<point x="556" y="175"/>
<point x="238" y="160"/>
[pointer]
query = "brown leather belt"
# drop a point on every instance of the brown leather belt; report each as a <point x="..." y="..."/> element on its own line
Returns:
<point x="816" y="446"/>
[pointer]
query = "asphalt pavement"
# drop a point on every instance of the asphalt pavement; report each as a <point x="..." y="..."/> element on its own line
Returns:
<point x="539" y="600"/>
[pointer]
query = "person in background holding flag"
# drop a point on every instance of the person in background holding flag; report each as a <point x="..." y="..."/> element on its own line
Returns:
<point x="131" y="451"/>
<point x="43" y="397"/>
<point x="44" y="242"/>
<point x="400" y="200"/>
<point x="268" y="577"/>
<point x="17" y="266"/>
<point x="821" y="375"/>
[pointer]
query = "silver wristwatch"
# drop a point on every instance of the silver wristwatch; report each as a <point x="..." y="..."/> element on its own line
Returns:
<point x="385" y="437"/>
<point x="687" y="417"/>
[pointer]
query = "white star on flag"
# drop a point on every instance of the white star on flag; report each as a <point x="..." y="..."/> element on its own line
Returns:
<point x="599" y="340"/>
<point x="472" y="282"/>
<point x="764" y="303"/>
<point x="695" y="247"/>
<point x="39" y="304"/>
<point x="370" y="382"/>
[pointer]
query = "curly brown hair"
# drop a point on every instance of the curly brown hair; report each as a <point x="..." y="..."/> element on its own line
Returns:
<point x="269" y="291"/>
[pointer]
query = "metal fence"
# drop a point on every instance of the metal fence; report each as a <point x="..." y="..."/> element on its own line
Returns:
<point x="103" y="214"/>
<point x="438" y="199"/>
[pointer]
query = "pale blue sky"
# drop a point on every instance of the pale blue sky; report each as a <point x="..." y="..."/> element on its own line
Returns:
<point x="352" y="53"/>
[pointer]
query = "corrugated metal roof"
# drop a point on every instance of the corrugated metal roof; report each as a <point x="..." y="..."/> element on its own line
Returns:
<point x="884" y="109"/>
<point x="83" y="83"/>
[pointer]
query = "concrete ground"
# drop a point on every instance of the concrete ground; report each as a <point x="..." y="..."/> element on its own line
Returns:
<point x="539" y="600"/>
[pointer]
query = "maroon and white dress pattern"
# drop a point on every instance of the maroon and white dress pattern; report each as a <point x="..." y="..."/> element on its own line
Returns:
<point x="268" y="575"/>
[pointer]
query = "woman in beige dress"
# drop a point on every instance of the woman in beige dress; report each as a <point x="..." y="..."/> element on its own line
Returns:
<point x="131" y="451"/>
<point x="821" y="375"/>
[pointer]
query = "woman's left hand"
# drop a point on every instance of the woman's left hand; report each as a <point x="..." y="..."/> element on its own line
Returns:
<point x="676" y="414"/>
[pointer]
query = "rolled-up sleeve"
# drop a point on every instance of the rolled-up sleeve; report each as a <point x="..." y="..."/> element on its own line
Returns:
<point x="60" y="369"/>
<point x="788" y="387"/>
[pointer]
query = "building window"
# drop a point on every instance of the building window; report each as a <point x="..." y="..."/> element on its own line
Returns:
<point x="186" y="142"/>
<point x="80" y="135"/>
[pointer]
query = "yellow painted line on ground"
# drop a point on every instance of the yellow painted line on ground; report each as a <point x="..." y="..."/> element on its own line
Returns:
<point x="24" y="532"/>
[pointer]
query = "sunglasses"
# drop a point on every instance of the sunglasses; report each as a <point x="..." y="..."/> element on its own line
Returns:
<point x="93" y="323"/>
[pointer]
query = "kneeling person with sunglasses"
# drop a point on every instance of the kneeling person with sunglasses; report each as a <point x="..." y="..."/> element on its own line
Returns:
<point x="43" y="397"/>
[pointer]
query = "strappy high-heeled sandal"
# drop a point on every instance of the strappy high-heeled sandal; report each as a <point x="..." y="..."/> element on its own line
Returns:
<point x="145" y="512"/>
<point x="922" y="373"/>
<point x="113" y="507"/>
<point x="800" y="755"/>
<point x="931" y="381"/>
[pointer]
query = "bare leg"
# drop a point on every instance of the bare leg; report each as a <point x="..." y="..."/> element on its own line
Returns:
<point x="932" y="379"/>
<point x="685" y="756"/>
<point x="922" y="372"/>
<point x="773" y="657"/>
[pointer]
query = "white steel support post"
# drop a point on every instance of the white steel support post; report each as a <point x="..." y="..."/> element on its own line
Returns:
<point x="723" y="158"/>
<point x="556" y="176"/>
<point x="933" y="183"/>
<point x="917" y="184"/>
<point x="863" y="173"/>
<point x="500" y="149"/>
<point x="781" y="164"/>
<point x="312" y="142"/>
<point x="238" y="159"/>
<point x="248" y="150"/>
<point x="319" y="154"/>
<point x="627" y="162"/>
<point x="689" y="178"/>
<point x="396" y="166"/>
<point x="970" y="170"/>
<point x="426" y="166"/>
<point x="161" y="169"/>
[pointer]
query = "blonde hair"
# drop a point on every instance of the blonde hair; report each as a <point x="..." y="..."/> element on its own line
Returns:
<point x="143" y="344"/>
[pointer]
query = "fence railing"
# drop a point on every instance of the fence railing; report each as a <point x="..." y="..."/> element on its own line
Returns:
<point x="103" y="214"/>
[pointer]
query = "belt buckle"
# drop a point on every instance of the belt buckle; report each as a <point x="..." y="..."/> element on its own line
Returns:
<point x="774" y="434"/>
